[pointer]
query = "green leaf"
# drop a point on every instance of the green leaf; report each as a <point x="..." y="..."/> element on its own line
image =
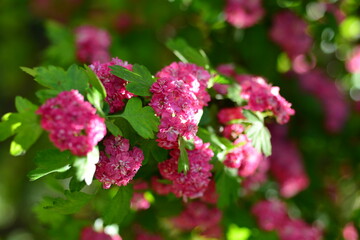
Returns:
<point x="25" y="125"/>
<point x="50" y="161"/>
<point x="151" y="150"/>
<point x="258" y="134"/>
<point x="118" y="208"/>
<point x="75" y="185"/>
<point x="142" y="119"/>
<point x="30" y="71"/>
<point x="58" y="79"/>
<point x="85" y="166"/>
<point x="233" y="94"/>
<point x="186" y="53"/>
<point x="183" y="163"/>
<point x="95" y="81"/>
<point x="61" y="50"/>
<point x="72" y="204"/>
<point x="9" y="125"/>
<point x="96" y="99"/>
<point x="238" y="233"/>
<point x="45" y="94"/>
<point x="115" y="130"/>
<point x="140" y="79"/>
<point x="227" y="186"/>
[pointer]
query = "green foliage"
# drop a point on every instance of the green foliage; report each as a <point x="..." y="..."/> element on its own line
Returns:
<point x="183" y="162"/>
<point x="114" y="130"/>
<point x="142" y="119"/>
<point x="95" y="81"/>
<point x="85" y="166"/>
<point x="50" y="161"/>
<point x="140" y="79"/>
<point x="96" y="99"/>
<point x="227" y="186"/>
<point x="186" y="53"/>
<point x="234" y="94"/>
<point x="118" y="208"/>
<point x="258" y="133"/>
<point x="24" y="125"/>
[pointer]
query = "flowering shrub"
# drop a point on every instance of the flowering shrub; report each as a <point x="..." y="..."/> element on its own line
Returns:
<point x="248" y="131"/>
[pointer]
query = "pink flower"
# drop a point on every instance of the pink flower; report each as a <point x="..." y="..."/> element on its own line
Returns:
<point x="270" y="214"/>
<point x="353" y="62"/>
<point x="115" y="87"/>
<point x="290" y="32"/>
<point x="225" y="115"/>
<point x="179" y="94"/>
<point x="261" y="96"/>
<point x="297" y="229"/>
<point x="253" y="182"/>
<point x="286" y="166"/>
<point x="199" y="215"/>
<point x="194" y="183"/>
<point x="72" y="123"/>
<point x="139" y="202"/>
<point x="160" y="188"/>
<point x="90" y="234"/>
<point x="243" y="13"/>
<point x="350" y="232"/>
<point x="210" y="194"/>
<point x="118" y="166"/>
<point x="92" y="44"/>
<point x="331" y="97"/>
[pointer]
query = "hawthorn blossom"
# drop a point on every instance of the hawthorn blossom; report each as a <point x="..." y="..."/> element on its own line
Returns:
<point x="286" y="164"/>
<point x="353" y="62"/>
<point x="243" y="13"/>
<point x="200" y="215"/>
<point x="253" y="182"/>
<point x="331" y="97"/>
<point x="72" y="123"/>
<point x="92" y="44"/>
<point x="194" y="183"/>
<point x="297" y="229"/>
<point x="350" y="232"/>
<point x="115" y="87"/>
<point x="210" y="194"/>
<point x="261" y="96"/>
<point x="270" y="214"/>
<point x="290" y="32"/>
<point x="118" y="164"/>
<point x="179" y="94"/>
<point x="88" y="233"/>
<point x="225" y="115"/>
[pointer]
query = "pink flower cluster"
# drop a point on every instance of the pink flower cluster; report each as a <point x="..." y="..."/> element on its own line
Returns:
<point x="92" y="44"/>
<point x="290" y="32"/>
<point x="244" y="156"/>
<point x="200" y="215"/>
<point x="118" y="165"/>
<point x="147" y="236"/>
<point x="179" y="94"/>
<point x="253" y="182"/>
<point x="72" y="123"/>
<point x="353" y="62"/>
<point x="350" y="232"/>
<point x="115" y="87"/>
<point x="272" y="215"/>
<point x="89" y="233"/>
<point x="260" y="95"/>
<point x="194" y="183"/>
<point x="243" y="13"/>
<point x="286" y="164"/>
<point x="138" y="200"/>
<point x="333" y="100"/>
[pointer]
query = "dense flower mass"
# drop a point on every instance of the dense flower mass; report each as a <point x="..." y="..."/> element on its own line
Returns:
<point x="290" y="32"/>
<point x="115" y="87"/>
<point x="297" y="229"/>
<point x="350" y="232"/>
<point x="89" y="233"/>
<point x="179" y="94"/>
<point x="194" y="183"/>
<point x="261" y="97"/>
<point x="243" y="13"/>
<point x="72" y="123"/>
<point x="92" y="44"/>
<point x="270" y="214"/>
<point x="200" y="215"/>
<point x="333" y="100"/>
<point x="286" y="164"/>
<point x="118" y="165"/>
